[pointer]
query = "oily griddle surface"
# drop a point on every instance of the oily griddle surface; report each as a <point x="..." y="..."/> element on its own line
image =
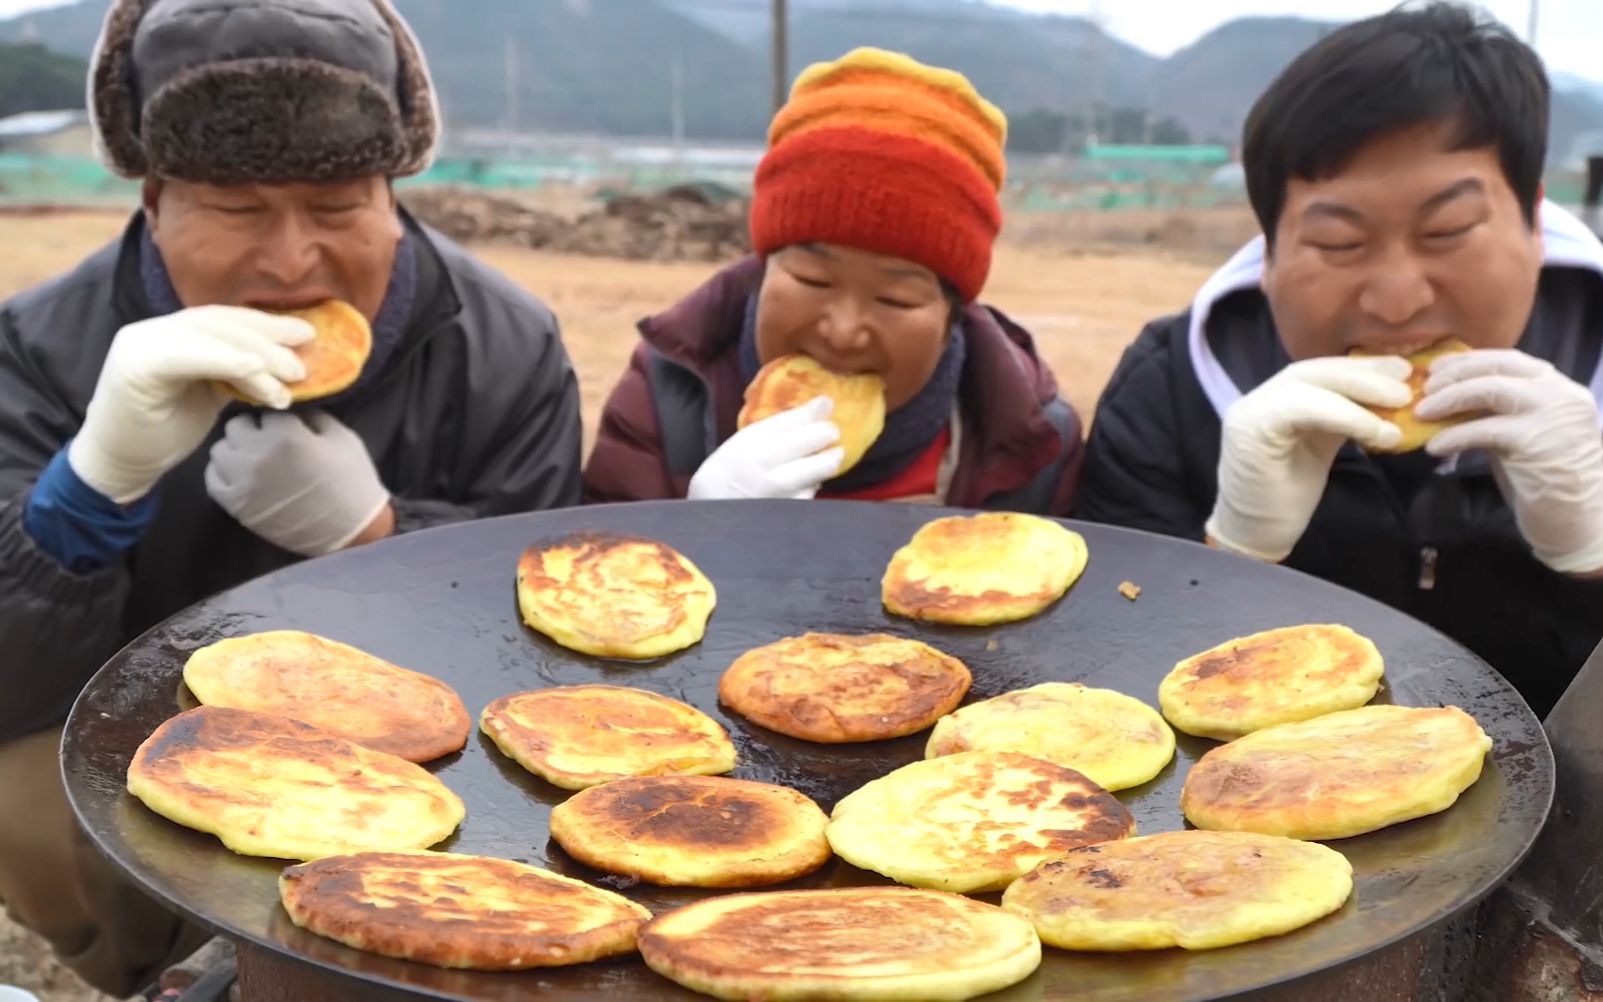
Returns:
<point x="443" y="602"/>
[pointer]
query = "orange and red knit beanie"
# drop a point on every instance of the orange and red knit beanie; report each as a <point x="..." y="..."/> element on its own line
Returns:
<point x="878" y="152"/>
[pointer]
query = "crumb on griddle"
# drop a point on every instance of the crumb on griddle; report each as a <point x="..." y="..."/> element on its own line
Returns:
<point x="1129" y="591"/>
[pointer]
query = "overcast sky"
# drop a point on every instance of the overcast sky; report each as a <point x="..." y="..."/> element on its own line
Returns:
<point x="1569" y="34"/>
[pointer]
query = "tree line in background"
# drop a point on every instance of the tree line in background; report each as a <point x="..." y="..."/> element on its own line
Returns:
<point x="33" y="78"/>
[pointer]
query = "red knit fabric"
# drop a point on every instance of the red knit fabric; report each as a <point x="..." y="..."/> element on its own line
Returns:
<point x="878" y="192"/>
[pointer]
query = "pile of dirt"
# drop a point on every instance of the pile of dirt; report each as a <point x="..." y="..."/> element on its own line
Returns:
<point x="686" y="223"/>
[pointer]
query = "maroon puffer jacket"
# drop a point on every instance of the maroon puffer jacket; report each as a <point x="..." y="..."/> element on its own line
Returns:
<point x="1009" y="403"/>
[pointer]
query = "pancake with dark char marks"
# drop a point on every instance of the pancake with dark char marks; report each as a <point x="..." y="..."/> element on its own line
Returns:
<point x="832" y="689"/>
<point x="1339" y="775"/>
<point x="860" y="943"/>
<point x="613" y="595"/>
<point x="334" y="686"/>
<point x="271" y="786"/>
<point x="973" y="821"/>
<point x="694" y="831"/>
<point x="449" y="910"/>
<point x="577" y="736"/>
<point x="979" y="570"/>
<point x="1272" y="677"/>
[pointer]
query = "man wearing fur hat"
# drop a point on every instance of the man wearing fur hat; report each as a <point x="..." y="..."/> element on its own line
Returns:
<point x="132" y="482"/>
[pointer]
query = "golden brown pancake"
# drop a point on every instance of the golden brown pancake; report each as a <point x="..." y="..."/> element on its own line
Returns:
<point x="1272" y="677"/>
<point x="1339" y="775"/>
<point x="831" y="688"/>
<point x="334" y="686"/>
<point x="1192" y="889"/>
<point x="579" y="736"/>
<point x="1417" y="433"/>
<point x="996" y="567"/>
<point x="335" y="357"/>
<point x="1114" y="740"/>
<point x="974" y="821"/>
<point x="614" y="596"/>
<point x="859" y="943"/>
<point x="793" y="380"/>
<point x="693" y="831"/>
<point x="450" y="910"/>
<point x="271" y="786"/>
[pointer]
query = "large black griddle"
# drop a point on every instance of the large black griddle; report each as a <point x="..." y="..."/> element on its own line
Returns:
<point x="443" y="602"/>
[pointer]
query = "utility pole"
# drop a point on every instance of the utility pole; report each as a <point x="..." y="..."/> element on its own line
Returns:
<point x="781" y="56"/>
<point x="677" y="111"/>
<point x="512" y="91"/>
<point x="1531" y="36"/>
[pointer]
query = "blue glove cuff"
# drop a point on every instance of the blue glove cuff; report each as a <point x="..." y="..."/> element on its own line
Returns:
<point x="81" y="528"/>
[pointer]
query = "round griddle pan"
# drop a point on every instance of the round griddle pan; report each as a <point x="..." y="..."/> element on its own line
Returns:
<point x="443" y="602"/>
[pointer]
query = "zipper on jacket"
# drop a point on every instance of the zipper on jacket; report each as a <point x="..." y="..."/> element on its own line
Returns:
<point x="1428" y="556"/>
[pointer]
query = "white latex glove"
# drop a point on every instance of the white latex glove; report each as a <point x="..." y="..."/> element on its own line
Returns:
<point x="157" y="397"/>
<point x="787" y="455"/>
<point x="306" y="485"/>
<point x="1542" y="434"/>
<point x="1280" y="439"/>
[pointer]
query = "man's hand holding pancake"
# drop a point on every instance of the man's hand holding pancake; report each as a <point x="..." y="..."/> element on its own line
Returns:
<point x="1542" y="431"/>
<point x="1280" y="439"/>
<point x="158" y="399"/>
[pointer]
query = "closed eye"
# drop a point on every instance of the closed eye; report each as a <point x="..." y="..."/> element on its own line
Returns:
<point x="811" y="283"/>
<point x="1338" y="248"/>
<point x="1450" y="234"/>
<point x="897" y="304"/>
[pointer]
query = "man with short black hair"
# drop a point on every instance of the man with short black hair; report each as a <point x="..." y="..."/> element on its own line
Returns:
<point x="1396" y="170"/>
<point x="134" y="483"/>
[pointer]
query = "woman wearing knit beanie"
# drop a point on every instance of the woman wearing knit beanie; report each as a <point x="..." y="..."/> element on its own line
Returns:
<point x="873" y="217"/>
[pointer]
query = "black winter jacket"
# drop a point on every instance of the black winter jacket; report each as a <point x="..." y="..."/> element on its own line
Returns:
<point x="477" y="414"/>
<point x="1440" y="544"/>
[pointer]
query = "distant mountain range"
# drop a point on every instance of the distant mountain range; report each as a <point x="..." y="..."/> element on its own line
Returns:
<point x="623" y="67"/>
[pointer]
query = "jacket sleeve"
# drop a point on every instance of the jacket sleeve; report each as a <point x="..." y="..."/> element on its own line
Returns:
<point x="56" y="628"/>
<point x="627" y="463"/>
<point x="521" y="449"/>
<point x="1135" y="473"/>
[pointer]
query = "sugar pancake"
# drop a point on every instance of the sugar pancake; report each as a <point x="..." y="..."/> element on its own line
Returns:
<point x="1339" y="775"/>
<point x="996" y="567"/>
<point x="974" y="821"/>
<point x="830" y="688"/>
<point x="793" y="380"/>
<point x="1112" y="739"/>
<point x="1274" y="677"/>
<point x="271" y="786"/>
<point x="579" y="736"/>
<point x="450" y="910"/>
<point x="614" y="596"/>
<point x="1417" y="433"/>
<point x="334" y="359"/>
<point x="859" y="943"/>
<point x="334" y="686"/>
<point x="1192" y="889"/>
<point x="693" y="831"/>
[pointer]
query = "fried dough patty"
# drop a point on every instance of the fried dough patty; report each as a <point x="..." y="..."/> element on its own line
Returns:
<point x="334" y="358"/>
<point x="579" y="736"/>
<point x="271" y="786"/>
<point x="1339" y="775"/>
<point x="792" y="380"/>
<point x="860" y="943"/>
<point x="1272" y="677"/>
<point x="1417" y="433"/>
<point x="334" y="686"/>
<point x="451" y="910"/>
<point x="614" y="596"/>
<point x="1115" y="740"/>
<point x="974" y="821"/>
<point x="830" y="688"/>
<point x="1192" y="889"/>
<point x="694" y="831"/>
<point x="978" y="570"/>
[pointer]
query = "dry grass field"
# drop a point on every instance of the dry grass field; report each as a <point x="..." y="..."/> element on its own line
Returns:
<point x="1084" y="286"/>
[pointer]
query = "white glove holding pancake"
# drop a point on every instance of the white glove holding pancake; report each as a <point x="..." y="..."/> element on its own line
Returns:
<point x="1541" y="430"/>
<point x="784" y="456"/>
<point x="157" y="398"/>
<point x="306" y="485"/>
<point x="1280" y="439"/>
